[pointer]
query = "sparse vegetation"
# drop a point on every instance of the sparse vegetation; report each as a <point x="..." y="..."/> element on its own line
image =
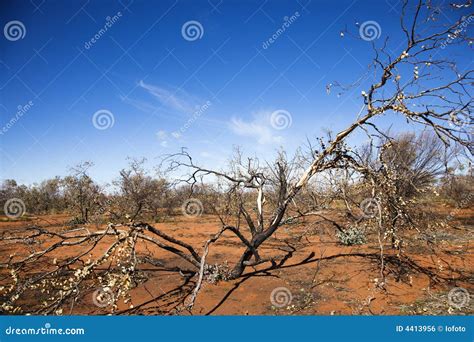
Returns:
<point x="351" y="236"/>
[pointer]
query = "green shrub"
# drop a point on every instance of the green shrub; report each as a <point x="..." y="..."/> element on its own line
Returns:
<point x="351" y="236"/>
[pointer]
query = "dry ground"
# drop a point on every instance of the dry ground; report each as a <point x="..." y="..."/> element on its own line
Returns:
<point x="323" y="276"/>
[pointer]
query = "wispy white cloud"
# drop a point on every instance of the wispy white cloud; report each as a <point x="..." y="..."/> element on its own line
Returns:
<point x="141" y="105"/>
<point x="174" y="104"/>
<point x="176" y="100"/>
<point x="166" y="137"/>
<point x="163" y="138"/>
<point x="259" y="128"/>
<point x="162" y="135"/>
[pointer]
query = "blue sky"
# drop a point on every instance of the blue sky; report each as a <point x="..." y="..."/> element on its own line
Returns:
<point x="164" y="89"/>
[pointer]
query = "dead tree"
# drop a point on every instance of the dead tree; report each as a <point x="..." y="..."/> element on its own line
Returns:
<point x="442" y="107"/>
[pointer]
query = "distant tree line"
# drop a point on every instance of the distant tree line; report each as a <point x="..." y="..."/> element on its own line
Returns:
<point x="403" y="169"/>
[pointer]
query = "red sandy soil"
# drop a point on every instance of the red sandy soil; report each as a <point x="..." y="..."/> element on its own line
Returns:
<point x="334" y="285"/>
